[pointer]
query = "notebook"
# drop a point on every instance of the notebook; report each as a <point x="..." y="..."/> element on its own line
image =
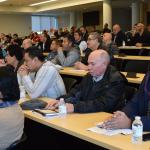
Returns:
<point x="46" y="113"/>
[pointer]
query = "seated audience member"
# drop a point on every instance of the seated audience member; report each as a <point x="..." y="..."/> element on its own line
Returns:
<point x="129" y="35"/>
<point x="106" y="29"/>
<point x="138" y="106"/>
<point x="11" y="116"/>
<point x="100" y="90"/>
<point x="118" y="36"/>
<point x="108" y="45"/>
<point x="84" y="33"/>
<point x="16" y="40"/>
<point x="27" y="43"/>
<point x="79" y="42"/>
<point x="14" y="57"/>
<point x="44" y="43"/>
<point x="67" y="55"/>
<point x="47" y="82"/>
<point x="2" y="60"/>
<point x="94" y="42"/>
<point x="142" y="36"/>
<point x="56" y="44"/>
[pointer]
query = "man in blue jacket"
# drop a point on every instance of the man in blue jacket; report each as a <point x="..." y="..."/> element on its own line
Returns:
<point x="138" y="106"/>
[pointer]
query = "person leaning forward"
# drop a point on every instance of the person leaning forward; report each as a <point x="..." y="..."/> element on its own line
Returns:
<point x="100" y="90"/>
<point x="138" y="106"/>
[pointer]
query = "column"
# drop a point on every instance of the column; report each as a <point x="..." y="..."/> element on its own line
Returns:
<point x="142" y="12"/>
<point x="72" y="19"/>
<point x="135" y="12"/>
<point x="107" y="13"/>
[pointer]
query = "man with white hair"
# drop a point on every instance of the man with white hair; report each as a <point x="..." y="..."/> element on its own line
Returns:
<point x="100" y="90"/>
<point x="118" y="35"/>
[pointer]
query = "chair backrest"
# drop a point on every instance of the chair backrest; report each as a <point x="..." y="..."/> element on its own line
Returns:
<point x="137" y="66"/>
<point x="69" y="83"/>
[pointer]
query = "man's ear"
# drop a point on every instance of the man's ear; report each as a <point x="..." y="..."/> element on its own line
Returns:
<point x="35" y="59"/>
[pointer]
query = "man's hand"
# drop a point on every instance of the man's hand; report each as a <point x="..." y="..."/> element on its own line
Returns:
<point x="52" y="104"/>
<point x="118" y="120"/>
<point x="23" y="70"/>
<point x="70" y="108"/>
<point x="138" y="44"/>
<point x="2" y="63"/>
<point x="81" y="66"/>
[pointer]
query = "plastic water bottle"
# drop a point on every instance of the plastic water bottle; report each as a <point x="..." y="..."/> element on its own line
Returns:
<point x="62" y="107"/>
<point x="137" y="128"/>
<point x="123" y="43"/>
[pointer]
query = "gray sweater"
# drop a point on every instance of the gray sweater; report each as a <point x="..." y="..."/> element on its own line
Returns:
<point x="11" y="125"/>
<point x="72" y="56"/>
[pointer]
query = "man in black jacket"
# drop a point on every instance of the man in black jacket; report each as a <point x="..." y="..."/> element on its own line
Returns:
<point x="100" y="90"/>
<point x="142" y="36"/>
<point x="118" y="35"/>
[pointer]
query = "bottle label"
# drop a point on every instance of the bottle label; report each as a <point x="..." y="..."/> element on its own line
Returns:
<point x="62" y="109"/>
<point x="137" y="130"/>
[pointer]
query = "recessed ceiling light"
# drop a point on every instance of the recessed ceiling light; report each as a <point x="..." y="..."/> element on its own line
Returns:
<point x="42" y="2"/>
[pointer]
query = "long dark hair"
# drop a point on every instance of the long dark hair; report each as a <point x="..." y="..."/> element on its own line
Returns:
<point x="9" y="87"/>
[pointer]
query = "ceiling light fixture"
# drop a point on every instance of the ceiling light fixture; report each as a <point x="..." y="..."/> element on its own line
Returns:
<point x="35" y="4"/>
<point x="2" y="1"/>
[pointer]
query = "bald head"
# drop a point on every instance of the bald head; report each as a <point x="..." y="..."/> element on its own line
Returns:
<point x="100" y="55"/>
<point x="27" y="43"/>
<point x="97" y="62"/>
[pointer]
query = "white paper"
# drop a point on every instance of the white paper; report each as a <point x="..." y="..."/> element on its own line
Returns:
<point x="99" y="130"/>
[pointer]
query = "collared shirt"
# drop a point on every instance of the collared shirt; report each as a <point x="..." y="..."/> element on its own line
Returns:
<point x="96" y="79"/>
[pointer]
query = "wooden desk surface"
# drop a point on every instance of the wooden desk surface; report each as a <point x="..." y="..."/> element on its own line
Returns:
<point x="76" y="125"/>
<point x="128" y="57"/>
<point x="137" y="80"/>
<point x="45" y="54"/>
<point x="134" y="47"/>
<point x="72" y="71"/>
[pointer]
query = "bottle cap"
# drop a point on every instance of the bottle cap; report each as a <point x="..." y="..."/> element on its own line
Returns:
<point x="137" y="117"/>
<point x="61" y="99"/>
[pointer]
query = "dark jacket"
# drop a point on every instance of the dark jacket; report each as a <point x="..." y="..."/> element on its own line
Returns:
<point x="118" y="38"/>
<point x="104" y="95"/>
<point x="111" y="50"/>
<point x="87" y="53"/>
<point x="138" y="106"/>
<point x="46" y="47"/>
<point x="85" y="58"/>
<point x="144" y="38"/>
